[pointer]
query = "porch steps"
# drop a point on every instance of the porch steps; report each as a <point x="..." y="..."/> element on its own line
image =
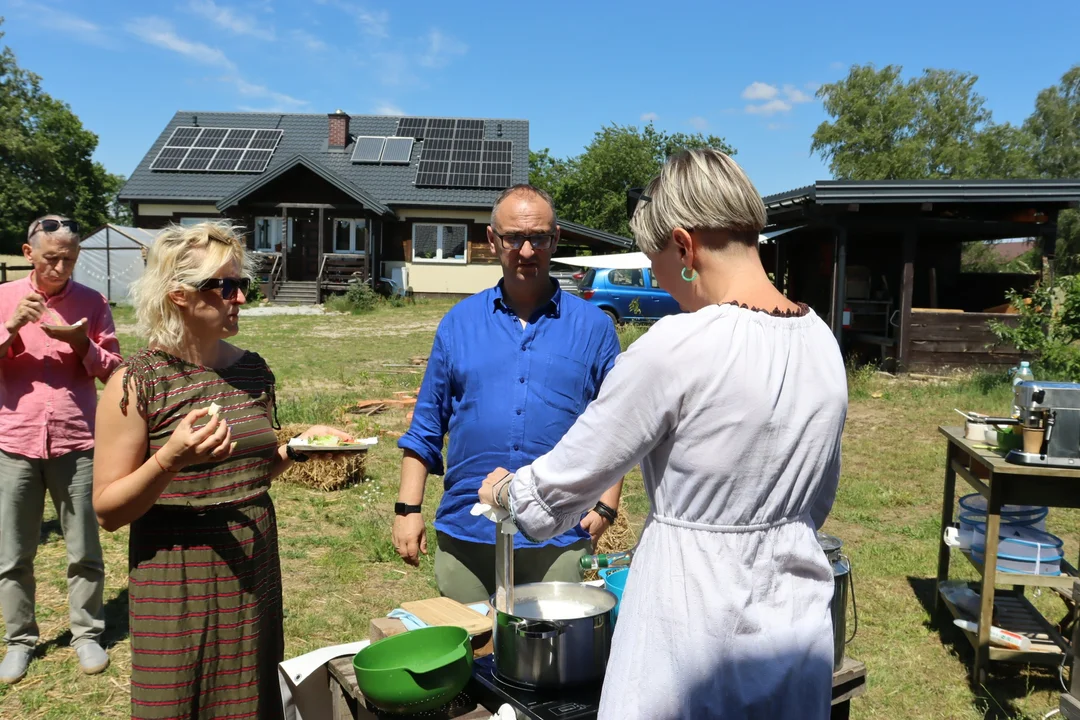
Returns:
<point x="297" y="292"/>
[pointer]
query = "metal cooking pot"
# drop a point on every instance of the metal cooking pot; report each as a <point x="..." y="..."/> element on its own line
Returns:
<point x="842" y="577"/>
<point x="558" y="635"/>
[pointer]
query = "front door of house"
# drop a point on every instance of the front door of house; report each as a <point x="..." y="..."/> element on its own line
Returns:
<point x="303" y="253"/>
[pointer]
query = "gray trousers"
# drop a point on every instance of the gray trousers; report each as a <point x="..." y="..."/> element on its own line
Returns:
<point x="69" y="480"/>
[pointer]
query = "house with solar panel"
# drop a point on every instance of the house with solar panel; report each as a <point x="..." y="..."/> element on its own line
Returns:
<point x="401" y="202"/>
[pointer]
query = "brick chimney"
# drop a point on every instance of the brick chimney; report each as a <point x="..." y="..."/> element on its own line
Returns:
<point x="339" y="129"/>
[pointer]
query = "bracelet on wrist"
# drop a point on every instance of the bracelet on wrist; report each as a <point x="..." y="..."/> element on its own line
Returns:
<point x="606" y="511"/>
<point x="162" y="465"/>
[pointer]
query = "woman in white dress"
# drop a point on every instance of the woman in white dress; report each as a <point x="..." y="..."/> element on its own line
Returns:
<point x="735" y="411"/>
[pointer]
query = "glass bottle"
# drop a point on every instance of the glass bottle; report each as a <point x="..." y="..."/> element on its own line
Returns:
<point x="607" y="560"/>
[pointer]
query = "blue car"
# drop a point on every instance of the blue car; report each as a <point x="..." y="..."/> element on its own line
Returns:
<point x="626" y="295"/>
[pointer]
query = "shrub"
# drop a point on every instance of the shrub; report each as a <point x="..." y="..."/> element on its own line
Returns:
<point x="359" y="298"/>
<point x="1048" y="328"/>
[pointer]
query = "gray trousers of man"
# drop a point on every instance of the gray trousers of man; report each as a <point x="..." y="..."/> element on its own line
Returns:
<point x="69" y="479"/>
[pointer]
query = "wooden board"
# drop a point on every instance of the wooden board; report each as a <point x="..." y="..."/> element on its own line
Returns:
<point x="444" y="611"/>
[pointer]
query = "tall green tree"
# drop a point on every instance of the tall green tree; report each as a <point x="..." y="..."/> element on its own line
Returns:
<point x="931" y="126"/>
<point x="1055" y="129"/>
<point x="591" y="188"/>
<point x="46" y="162"/>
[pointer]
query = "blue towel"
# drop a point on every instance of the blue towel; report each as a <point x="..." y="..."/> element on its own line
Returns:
<point x="414" y="623"/>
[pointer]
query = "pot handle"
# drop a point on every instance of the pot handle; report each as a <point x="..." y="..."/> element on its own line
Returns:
<point x="854" y="606"/>
<point x="421" y="667"/>
<point x="553" y="630"/>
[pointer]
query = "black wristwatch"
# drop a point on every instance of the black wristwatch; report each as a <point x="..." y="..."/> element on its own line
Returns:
<point x="405" y="509"/>
<point x="607" y="512"/>
<point x="293" y="455"/>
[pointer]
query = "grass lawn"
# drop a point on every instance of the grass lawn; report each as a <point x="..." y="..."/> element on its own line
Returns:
<point x="340" y="569"/>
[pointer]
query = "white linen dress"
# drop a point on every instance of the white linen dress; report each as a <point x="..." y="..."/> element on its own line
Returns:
<point x="735" y="416"/>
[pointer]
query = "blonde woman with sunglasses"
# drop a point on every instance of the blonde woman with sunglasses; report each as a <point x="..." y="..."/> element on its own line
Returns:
<point x="187" y="450"/>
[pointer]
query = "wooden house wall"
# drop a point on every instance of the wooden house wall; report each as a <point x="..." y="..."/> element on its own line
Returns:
<point x="958" y="339"/>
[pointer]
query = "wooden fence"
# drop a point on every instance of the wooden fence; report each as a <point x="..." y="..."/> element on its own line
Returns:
<point x="958" y="339"/>
<point x="5" y="269"/>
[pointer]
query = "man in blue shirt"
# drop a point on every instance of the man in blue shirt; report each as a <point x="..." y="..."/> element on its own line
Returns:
<point x="510" y="370"/>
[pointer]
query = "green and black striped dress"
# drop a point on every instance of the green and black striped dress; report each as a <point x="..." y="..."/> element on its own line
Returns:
<point x="205" y="577"/>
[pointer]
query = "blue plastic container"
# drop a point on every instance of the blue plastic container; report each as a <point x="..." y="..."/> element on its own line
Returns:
<point x="615" y="582"/>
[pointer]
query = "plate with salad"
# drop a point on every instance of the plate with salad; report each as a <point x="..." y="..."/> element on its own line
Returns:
<point x="331" y="443"/>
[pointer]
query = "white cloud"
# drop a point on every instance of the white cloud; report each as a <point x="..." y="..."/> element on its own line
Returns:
<point x="776" y="126"/>
<point x="159" y="32"/>
<point x="441" y="49"/>
<point x="770" y="108"/>
<point x="813" y="86"/>
<point x="371" y="22"/>
<point x="649" y="117"/>
<point x="62" y="22"/>
<point x="795" y="95"/>
<point x="392" y="68"/>
<point x="230" y="20"/>
<point x="699" y="123"/>
<point x="760" y="91"/>
<point x="309" y="41"/>
<point x="837" y="66"/>
<point x="387" y="108"/>
<point x="281" y="101"/>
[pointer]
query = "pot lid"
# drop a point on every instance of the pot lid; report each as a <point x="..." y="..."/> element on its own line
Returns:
<point x="829" y="543"/>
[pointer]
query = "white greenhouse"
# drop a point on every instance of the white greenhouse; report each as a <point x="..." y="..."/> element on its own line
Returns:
<point x="112" y="258"/>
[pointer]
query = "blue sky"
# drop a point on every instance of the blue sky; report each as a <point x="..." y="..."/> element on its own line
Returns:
<point x="745" y="71"/>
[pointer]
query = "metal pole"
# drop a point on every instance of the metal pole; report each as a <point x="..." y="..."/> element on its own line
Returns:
<point x="108" y="266"/>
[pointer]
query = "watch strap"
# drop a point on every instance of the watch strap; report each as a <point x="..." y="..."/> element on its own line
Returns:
<point x="406" y="509"/>
<point x="607" y="512"/>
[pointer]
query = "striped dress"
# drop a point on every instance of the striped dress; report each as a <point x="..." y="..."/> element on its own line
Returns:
<point x="205" y="576"/>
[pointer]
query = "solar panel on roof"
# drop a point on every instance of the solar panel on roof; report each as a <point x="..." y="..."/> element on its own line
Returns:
<point x="463" y="174"/>
<point x="254" y="161"/>
<point x="197" y="149"/>
<point x="368" y="149"/>
<point x="211" y="137"/>
<point x="398" y="150"/>
<point x="469" y="130"/>
<point x="238" y="138"/>
<point x="440" y="128"/>
<point x="432" y="172"/>
<point x="413" y="127"/>
<point x="169" y="158"/>
<point x="496" y="161"/>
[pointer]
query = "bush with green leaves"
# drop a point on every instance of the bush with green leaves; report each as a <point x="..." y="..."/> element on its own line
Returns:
<point x="358" y="299"/>
<point x="1048" y="328"/>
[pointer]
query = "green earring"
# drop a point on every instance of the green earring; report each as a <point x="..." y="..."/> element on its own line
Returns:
<point x="692" y="278"/>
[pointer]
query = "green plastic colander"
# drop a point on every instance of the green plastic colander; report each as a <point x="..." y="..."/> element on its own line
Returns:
<point x="416" y="671"/>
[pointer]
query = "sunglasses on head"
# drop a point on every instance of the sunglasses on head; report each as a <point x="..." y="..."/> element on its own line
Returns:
<point x="228" y="286"/>
<point x="51" y="225"/>
<point x="633" y="197"/>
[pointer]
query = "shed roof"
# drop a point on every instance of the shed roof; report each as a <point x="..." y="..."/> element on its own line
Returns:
<point x="836" y="192"/>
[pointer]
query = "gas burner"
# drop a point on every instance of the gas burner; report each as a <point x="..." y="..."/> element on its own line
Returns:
<point x="574" y="703"/>
<point x="463" y="702"/>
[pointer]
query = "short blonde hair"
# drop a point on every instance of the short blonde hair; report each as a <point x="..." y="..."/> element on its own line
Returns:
<point x="701" y="190"/>
<point x="180" y="258"/>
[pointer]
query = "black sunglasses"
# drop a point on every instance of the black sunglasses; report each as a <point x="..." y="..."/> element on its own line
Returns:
<point x="538" y="242"/>
<point x="228" y="286"/>
<point x="51" y="225"/>
<point x="633" y="197"/>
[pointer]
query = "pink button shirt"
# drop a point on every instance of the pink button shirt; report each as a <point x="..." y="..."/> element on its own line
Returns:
<point x="47" y="392"/>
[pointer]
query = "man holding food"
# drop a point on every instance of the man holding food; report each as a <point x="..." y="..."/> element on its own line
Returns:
<point x="510" y="370"/>
<point x="56" y="338"/>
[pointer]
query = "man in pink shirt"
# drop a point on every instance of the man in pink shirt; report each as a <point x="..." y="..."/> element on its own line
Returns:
<point x="56" y="338"/>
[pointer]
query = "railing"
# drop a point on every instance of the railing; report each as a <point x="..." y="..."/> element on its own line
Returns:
<point x="5" y="268"/>
<point x="270" y="266"/>
<point x="338" y="269"/>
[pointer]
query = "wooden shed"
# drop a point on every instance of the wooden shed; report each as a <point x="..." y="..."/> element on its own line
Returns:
<point x="880" y="261"/>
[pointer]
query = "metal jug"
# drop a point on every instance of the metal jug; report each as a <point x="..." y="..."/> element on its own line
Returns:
<point x="842" y="577"/>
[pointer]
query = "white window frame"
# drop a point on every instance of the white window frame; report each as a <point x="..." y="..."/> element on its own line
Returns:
<point x="439" y="244"/>
<point x="355" y="224"/>
<point x="274" y="223"/>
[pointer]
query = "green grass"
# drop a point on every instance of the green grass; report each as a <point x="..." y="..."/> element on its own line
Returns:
<point x="340" y="570"/>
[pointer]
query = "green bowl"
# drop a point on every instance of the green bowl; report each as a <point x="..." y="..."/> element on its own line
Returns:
<point x="1009" y="440"/>
<point x="416" y="671"/>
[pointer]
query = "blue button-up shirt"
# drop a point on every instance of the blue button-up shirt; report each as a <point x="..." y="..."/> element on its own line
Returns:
<point x="506" y="394"/>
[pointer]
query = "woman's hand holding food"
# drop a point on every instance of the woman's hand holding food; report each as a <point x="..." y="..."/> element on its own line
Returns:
<point x="194" y="445"/>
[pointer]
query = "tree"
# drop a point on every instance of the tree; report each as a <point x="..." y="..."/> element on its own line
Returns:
<point x="1055" y="129"/>
<point x="931" y="126"/>
<point x="591" y="188"/>
<point x="45" y="159"/>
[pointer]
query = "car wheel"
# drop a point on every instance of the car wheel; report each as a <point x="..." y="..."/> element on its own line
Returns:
<point x="611" y="314"/>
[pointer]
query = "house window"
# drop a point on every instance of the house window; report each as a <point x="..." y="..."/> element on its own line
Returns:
<point x="350" y="236"/>
<point x="438" y="242"/>
<point x="267" y="234"/>
<point x="189" y="221"/>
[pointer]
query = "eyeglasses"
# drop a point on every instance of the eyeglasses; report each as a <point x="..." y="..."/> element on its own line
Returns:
<point x="633" y="197"/>
<point x="515" y="241"/>
<point x="228" y="286"/>
<point x="51" y="225"/>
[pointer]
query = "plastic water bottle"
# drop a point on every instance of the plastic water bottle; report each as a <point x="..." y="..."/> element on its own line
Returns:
<point x="608" y="560"/>
<point x="1021" y="374"/>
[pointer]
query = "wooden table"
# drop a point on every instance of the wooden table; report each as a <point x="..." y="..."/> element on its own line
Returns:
<point x="1003" y="483"/>
<point x="349" y="703"/>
